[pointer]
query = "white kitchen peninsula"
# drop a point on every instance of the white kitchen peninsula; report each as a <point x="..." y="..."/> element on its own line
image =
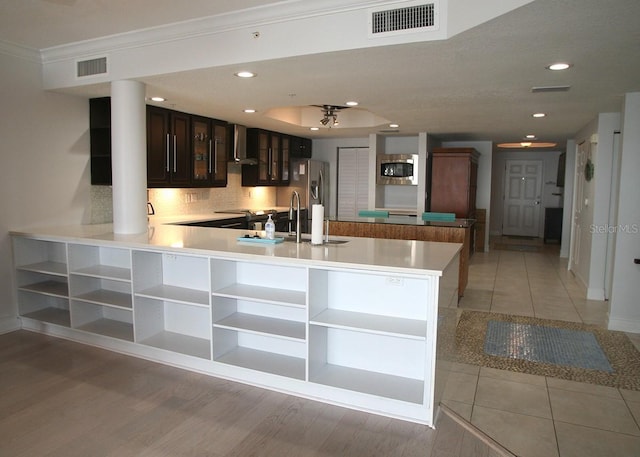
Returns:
<point x="352" y="324"/>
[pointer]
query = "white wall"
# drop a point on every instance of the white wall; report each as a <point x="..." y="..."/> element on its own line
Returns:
<point x="593" y="246"/>
<point x="624" y="311"/>
<point x="569" y="174"/>
<point x="44" y="168"/>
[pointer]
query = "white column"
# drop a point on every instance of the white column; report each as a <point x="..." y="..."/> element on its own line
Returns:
<point x="129" y="157"/>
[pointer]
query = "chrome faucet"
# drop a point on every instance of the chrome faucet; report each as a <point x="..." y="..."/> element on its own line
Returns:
<point x="295" y="195"/>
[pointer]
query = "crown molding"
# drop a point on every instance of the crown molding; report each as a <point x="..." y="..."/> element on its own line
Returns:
<point x="21" y="52"/>
<point x="285" y="11"/>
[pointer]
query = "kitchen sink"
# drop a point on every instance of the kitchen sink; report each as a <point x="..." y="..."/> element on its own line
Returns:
<point x="308" y="240"/>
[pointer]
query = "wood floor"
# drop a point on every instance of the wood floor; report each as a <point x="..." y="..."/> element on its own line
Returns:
<point x="60" y="398"/>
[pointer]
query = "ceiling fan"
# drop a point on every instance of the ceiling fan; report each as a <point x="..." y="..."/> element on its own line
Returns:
<point x="330" y="113"/>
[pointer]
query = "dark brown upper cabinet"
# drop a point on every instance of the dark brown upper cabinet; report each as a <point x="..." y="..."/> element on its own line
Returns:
<point x="210" y="144"/>
<point x="266" y="148"/>
<point x="168" y="148"/>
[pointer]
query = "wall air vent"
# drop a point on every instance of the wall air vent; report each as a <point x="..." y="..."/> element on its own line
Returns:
<point x="92" y="67"/>
<point x="414" y="17"/>
<point x="550" y="89"/>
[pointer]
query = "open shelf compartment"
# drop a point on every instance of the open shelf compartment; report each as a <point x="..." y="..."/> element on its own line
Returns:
<point x="100" y="262"/>
<point x="267" y="354"/>
<point x="102" y="320"/>
<point x="101" y="291"/>
<point x="380" y="365"/>
<point x="278" y="284"/>
<point x="47" y="308"/>
<point x="175" y="327"/>
<point x="40" y="256"/>
<point x="167" y="276"/>
<point x="383" y="304"/>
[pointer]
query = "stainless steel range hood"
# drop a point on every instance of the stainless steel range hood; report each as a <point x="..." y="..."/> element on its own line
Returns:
<point x="240" y="146"/>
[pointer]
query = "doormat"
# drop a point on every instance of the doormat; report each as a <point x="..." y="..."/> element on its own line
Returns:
<point x="539" y="343"/>
<point x="520" y="237"/>
<point x="516" y="247"/>
<point x="542" y="352"/>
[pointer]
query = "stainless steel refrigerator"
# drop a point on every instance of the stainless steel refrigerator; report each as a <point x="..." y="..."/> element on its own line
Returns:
<point x="310" y="178"/>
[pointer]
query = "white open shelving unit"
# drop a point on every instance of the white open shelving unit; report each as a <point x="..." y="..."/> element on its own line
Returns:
<point x="351" y="336"/>
<point x="42" y="280"/>
<point x="100" y="290"/>
<point x="259" y="316"/>
<point x="369" y="334"/>
<point x="172" y="306"/>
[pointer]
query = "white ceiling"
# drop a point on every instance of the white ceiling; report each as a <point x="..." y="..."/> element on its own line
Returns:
<point x="473" y="86"/>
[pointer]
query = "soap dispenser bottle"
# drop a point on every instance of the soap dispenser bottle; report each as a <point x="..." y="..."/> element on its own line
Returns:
<point x="270" y="228"/>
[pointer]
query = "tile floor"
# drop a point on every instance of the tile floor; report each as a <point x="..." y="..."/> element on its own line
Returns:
<point x="537" y="416"/>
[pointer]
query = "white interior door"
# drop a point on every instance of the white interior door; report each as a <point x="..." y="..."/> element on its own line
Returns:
<point x="353" y="182"/>
<point x="522" y="197"/>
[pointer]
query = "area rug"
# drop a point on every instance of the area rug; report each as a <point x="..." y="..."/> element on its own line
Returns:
<point x="559" y="349"/>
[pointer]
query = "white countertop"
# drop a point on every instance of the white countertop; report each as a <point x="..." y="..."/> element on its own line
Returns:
<point x="403" y="256"/>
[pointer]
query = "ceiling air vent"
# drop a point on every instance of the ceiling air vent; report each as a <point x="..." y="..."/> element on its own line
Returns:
<point x="550" y="89"/>
<point x="416" y="16"/>
<point x="92" y="67"/>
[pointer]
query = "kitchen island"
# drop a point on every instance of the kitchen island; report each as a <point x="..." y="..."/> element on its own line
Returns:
<point x="352" y="323"/>
<point x="407" y="227"/>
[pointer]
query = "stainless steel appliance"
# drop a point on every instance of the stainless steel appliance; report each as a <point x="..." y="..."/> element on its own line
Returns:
<point x="400" y="169"/>
<point x="310" y="178"/>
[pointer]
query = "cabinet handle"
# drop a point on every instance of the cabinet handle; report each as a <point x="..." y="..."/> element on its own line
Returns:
<point x="269" y="167"/>
<point x="215" y="157"/>
<point x="175" y="147"/>
<point x="209" y="155"/>
<point x="168" y="162"/>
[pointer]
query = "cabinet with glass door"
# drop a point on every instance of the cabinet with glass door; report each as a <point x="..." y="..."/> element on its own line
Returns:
<point x="210" y="152"/>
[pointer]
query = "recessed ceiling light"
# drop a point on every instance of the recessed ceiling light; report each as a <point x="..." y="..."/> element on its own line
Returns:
<point x="249" y="110"/>
<point x="351" y="103"/>
<point x="558" y="66"/>
<point x="314" y="128"/>
<point x="394" y="126"/>
<point x="539" y="115"/>
<point x="526" y="145"/>
<point x="245" y="74"/>
<point x="157" y="99"/>
<point x="530" y="137"/>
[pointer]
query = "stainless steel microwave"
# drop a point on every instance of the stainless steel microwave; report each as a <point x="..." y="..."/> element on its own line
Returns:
<point x="399" y="169"/>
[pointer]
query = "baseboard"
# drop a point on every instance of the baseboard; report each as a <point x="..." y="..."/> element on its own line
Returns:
<point x="595" y="293"/>
<point x="9" y="324"/>
<point x="624" y="325"/>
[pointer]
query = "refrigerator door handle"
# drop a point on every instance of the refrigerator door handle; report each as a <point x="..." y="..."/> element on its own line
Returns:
<point x="321" y="188"/>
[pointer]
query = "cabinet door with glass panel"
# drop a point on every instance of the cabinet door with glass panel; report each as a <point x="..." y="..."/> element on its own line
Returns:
<point x="209" y="157"/>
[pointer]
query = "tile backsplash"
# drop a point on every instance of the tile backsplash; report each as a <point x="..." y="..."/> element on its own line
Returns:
<point x="171" y="202"/>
